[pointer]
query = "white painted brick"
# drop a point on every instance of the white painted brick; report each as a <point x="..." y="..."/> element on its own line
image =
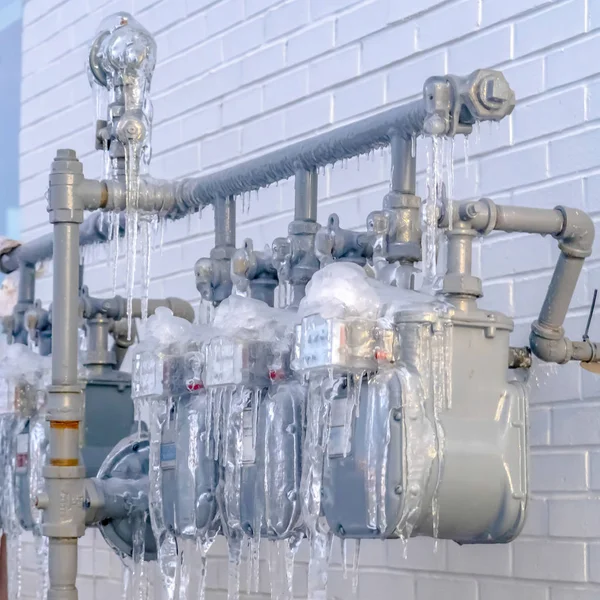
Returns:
<point x="263" y="63"/>
<point x="573" y="593"/>
<point x="263" y="132"/>
<point x="550" y="26"/>
<point x="512" y="169"/>
<point x="576" y="425"/>
<point x="240" y="40"/>
<point x="387" y="46"/>
<point x="310" y="43"/>
<point x="514" y="255"/>
<point x="571" y="62"/>
<point x="365" y="20"/>
<point x="356" y="173"/>
<point x="539" y="426"/>
<point x="307" y="116"/>
<point x="494" y="590"/>
<point x="333" y="69"/>
<point x="256" y="6"/>
<point x="554" y="194"/>
<point x="183" y="36"/>
<point x="201" y="122"/>
<point x="475" y="560"/>
<point x="221" y="147"/>
<point x="286" y="89"/>
<point x="555" y="113"/>
<point x="242" y="106"/>
<point x="536" y="520"/>
<point x="594" y="562"/>
<point x="224" y="15"/>
<point x="408" y="78"/>
<point x="434" y="588"/>
<point x="286" y="18"/>
<point x="551" y="385"/>
<point x="565" y="472"/>
<point x="497" y="295"/>
<point x="399" y="11"/>
<point x="459" y="19"/>
<point x="574" y="517"/>
<point x="549" y="560"/>
<point x="386" y="586"/>
<point x="319" y="9"/>
<point x="493" y="11"/>
<point x="357" y="98"/>
<point x="490" y="49"/>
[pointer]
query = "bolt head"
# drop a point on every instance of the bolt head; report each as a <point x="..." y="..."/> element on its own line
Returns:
<point x="494" y="91"/>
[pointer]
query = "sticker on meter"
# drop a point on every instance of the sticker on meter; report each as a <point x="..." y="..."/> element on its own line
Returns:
<point x="168" y="455"/>
<point x="340" y="432"/>
<point x="248" y="445"/>
<point x="22" y="458"/>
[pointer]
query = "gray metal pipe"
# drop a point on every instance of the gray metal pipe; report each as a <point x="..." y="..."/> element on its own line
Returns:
<point x="62" y="568"/>
<point x="348" y="141"/>
<point x="561" y="290"/>
<point x="65" y="335"/>
<point x="306" y="190"/>
<point x="225" y="221"/>
<point x="404" y="171"/>
<point x="26" y="284"/>
<point x="575" y="232"/>
<point x="95" y="229"/>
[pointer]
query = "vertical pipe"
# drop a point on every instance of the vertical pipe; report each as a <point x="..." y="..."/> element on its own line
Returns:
<point x="26" y="283"/>
<point x="306" y="192"/>
<point x="404" y="165"/>
<point x="225" y="221"/>
<point x="66" y="304"/>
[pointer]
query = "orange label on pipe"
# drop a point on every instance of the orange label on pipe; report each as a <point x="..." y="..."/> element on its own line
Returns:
<point x="64" y="424"/>
<point x="64" y="462"/>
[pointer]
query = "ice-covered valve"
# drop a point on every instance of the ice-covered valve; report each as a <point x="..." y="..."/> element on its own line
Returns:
<point x="254" y="270"/>
<point x="122" y="49"/>
<point x="334" y="243"/>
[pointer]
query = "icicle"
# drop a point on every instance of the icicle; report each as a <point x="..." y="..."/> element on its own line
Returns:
<point x="413" y="146"/>
<point x="355" y="566"/>
<point x="235" y="558"/>
<point x="344" y="556"/>
<point x="466" y="152"/>
<point x="450" y="187"/>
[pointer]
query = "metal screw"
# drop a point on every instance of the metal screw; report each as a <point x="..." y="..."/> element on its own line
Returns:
<point x="135" y="447"/>
<point x="341" y="531"/>
<point x="398" y="490"/>
<point x="86" y="503"/>
<point x="397" y="414"/>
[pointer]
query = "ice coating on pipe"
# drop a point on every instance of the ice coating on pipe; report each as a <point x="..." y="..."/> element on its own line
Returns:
<point x="121" y="64"/>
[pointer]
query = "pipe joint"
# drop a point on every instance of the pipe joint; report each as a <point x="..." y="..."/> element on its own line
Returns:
<point x="577" y="235"/>
<point x="550" y="344"/>
<point x="66" y="174"/>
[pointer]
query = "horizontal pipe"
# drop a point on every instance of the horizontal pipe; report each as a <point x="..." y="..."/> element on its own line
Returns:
<point x="348" y="141"/>
<point x="95" y="229"/>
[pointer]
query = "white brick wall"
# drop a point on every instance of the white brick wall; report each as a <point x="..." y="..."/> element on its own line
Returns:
<point x="238" y="77"/>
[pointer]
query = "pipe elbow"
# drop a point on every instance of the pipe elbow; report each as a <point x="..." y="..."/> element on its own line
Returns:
<point x="181" y="308"/>
<point x="578" y="232"/>
<point x="550" y="344"/>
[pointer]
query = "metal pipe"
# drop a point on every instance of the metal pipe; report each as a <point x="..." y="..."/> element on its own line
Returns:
<point x="93" y="230"/>
<point x="64" y="521"/>
<point x="404" y="171"/>
<point x="575" y="231"/>
<point x="225" y="221"/>
<point x="26" y="284"/>
<point x="65" y="295"/>
<point x="306" y="191"/>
